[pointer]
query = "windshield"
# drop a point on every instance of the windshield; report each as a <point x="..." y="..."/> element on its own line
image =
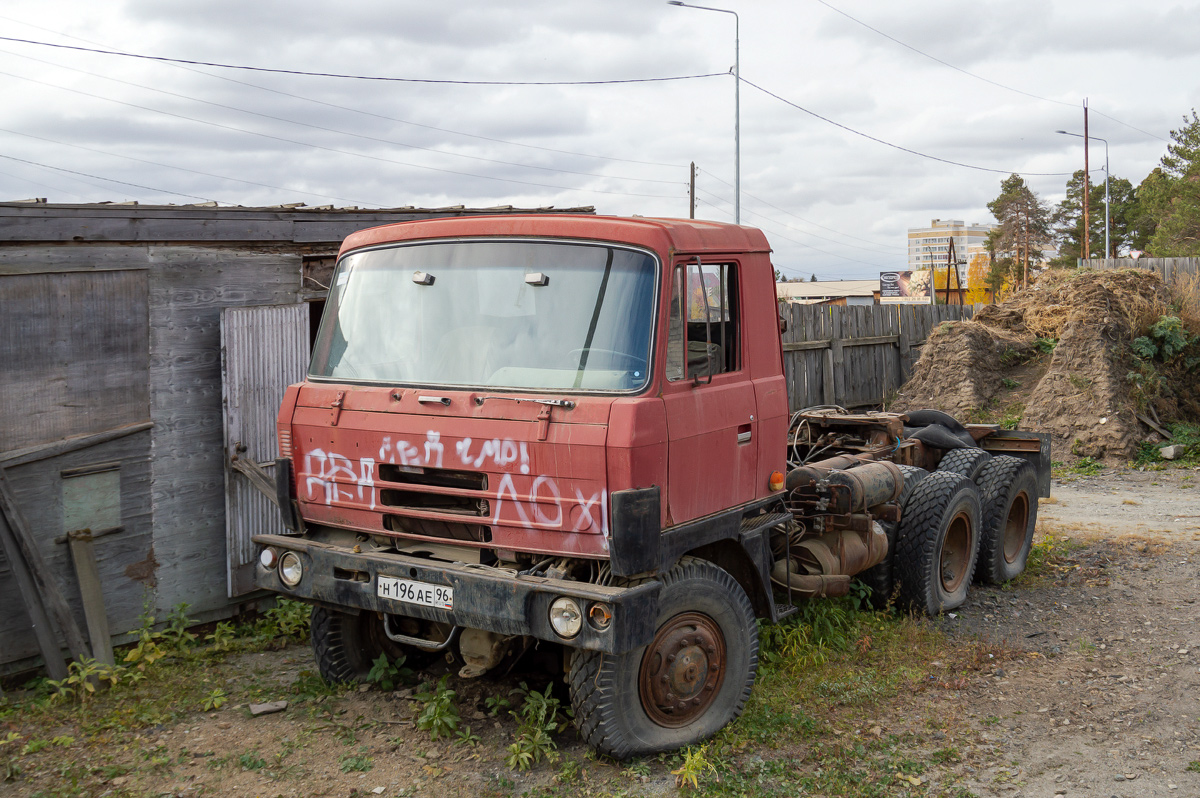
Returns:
<point x="497" y="314"/>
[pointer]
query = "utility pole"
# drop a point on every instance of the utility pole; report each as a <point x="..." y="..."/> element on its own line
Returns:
<point x="692" y="193"/>
<point x="1087" y="188"/>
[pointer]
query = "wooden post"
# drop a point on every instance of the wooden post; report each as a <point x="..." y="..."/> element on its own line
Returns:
<point x="47" y="637"/>
<point x="43" y="584"/>
<point x="83" y="553"/>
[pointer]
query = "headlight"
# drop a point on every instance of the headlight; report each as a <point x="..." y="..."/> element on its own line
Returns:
<point x="565" y="617"/>
<point x="600" y="615"/>
<point x="291" y="570"/>
<point x="268" y="557"/>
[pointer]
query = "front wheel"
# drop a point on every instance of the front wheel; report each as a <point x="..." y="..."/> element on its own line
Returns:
<point x="347" y="645"/>
<point x="690" y="681"/>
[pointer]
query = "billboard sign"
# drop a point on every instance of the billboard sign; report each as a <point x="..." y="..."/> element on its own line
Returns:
<point x="909" y="286"/>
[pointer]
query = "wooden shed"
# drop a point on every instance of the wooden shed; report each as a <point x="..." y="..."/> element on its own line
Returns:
<point x="124" y="412"/>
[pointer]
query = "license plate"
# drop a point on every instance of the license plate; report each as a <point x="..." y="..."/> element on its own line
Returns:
<point x="412" y="592"/>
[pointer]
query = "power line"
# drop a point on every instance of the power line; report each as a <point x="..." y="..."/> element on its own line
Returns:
<point x="890" y="249"/>
<point x="365" y="113"/>
<point x="107" y="179"/>
<point x="897" y="146"/>
<point x="979" y="77"/>
<point x="364" y="77"/>
<point x="43" y="185"/>
<point x="333" y="149"/>
<point x="185" y="169"/>
<point x="340" y="132"/>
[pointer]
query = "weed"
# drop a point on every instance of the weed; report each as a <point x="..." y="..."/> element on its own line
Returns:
<point x="695" y="766"/>
<point x="1182" y="434"/>
<point x="537" y="721"/>
<point x="251" y="760"/>
<point x="1080" y="383"/>
<point x="1010" y="383"/>
<point x="358" y="763"/>
<point x="176" y="634"/>
<point x="387" y="675"/>
<point x="1045" y="345"/>
<point x="440" y="715"/>
<point x="83" y="675"/>
<point x="310" y="685"/>
<point x="466" y="737"/>
<point x="496" y="704"/>
<point x="222" y="637"/>
<point x="1194" y="766"/>
<point x="1086" y="466"/>
<point x="214" y="700"/>
<point x="287" y="619"/>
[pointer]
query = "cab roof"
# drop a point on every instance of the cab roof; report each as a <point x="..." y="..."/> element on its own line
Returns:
<point x="671" y="236"/>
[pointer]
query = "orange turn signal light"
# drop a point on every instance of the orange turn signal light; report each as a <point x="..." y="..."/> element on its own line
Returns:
<point x="776" y="481"/>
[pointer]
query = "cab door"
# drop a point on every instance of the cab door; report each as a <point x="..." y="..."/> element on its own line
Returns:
<point x="712" y="430"/>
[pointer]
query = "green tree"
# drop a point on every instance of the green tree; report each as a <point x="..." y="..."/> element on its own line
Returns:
<point x="1067" y="220"/>
<point x="812" y="279"/>
<point x="1024" y="228"/>
<point x="1171" y="195"/>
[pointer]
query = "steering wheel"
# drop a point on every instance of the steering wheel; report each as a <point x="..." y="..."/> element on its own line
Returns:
<point x="637" y="363"/>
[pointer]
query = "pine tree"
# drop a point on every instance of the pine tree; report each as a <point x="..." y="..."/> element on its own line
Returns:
<point x="1024" y="226"/>
<point x="1067" y="219"/>
<point x="1171" y="196"/>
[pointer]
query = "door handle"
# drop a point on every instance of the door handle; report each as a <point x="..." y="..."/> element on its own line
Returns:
<point x="744" y="434"/>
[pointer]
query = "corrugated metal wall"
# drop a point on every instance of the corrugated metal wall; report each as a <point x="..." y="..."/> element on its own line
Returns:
<point x="264" y="350"/>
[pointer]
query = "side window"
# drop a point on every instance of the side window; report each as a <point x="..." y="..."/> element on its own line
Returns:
<point x="702" y="330"/>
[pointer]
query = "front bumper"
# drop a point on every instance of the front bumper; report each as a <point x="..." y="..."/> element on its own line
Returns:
<point x="484" y="598"/>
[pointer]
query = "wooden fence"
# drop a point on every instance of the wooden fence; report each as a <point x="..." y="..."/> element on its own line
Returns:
<point x="855" y="356"/>
<point x="1169" y="269"/>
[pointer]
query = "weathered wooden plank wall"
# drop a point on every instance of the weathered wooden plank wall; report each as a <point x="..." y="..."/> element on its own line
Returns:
<point x="1169" y="269"/>
<point x="125" y="560"/>
<point x="188" y="288"/>
<point x="74" y="352"/>
<point x="855" y="356"/>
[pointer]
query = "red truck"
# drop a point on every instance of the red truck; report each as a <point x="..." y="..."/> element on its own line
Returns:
<point x="575" y="430"/>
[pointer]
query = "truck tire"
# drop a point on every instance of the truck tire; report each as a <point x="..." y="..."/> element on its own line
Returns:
<point x="937" y="543"/>
<point x="630" y="704"/>
<point x="346" y="645"/>
<point x="964" y="461"/>
<point x="879" y="577"/>
<point x="1009" y="495"/>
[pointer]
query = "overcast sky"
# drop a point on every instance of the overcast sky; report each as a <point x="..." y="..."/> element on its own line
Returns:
<point x="832" y="202"/>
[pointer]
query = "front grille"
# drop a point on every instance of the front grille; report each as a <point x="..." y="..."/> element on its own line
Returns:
<point x="433" y="477"/>
<point x="446" y="530"/>
<point x="435" y="502"/>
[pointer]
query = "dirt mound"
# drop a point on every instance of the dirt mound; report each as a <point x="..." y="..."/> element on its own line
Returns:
<point x="1055" y="357"/>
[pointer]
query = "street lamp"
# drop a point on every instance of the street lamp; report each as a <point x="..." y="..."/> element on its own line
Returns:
<point x="1107" y="175"/>
<point x="737" y="105"/>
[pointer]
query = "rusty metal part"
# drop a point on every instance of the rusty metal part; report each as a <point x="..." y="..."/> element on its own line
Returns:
<point x="810" y="473"/>
<point x="809" y="585"/>
<point x="955" y="562"/>
<point x="1015" y="527"/>
<point x="868" y="485"/>
<point x="481" y="650"/>
<point x="845" y="552"/>
<point x="682" y="670"/>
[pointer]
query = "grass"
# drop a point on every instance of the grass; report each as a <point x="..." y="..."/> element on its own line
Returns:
<point x="167" y="674"/>
<point x="1183" y="434"/>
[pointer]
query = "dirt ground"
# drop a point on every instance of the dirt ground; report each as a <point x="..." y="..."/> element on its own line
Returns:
<point x="1094" y="691"/>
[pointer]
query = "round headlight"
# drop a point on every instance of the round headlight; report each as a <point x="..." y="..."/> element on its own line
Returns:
<point x="291" y="570"/>
<point x="600" y="615"/>
<point x="565" y="617"/>
<point x="268" y="557"/>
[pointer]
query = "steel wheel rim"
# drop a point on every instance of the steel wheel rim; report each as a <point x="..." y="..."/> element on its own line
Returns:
<point x="955" y="559"/>
<point x="682" y="670"/>
<point x="1015" y="526"/>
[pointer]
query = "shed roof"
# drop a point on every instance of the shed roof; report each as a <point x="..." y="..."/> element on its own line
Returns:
<point x="826" y="289"/>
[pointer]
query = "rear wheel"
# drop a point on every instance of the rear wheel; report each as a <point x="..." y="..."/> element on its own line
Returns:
<point x="691" y="680"/>
<point x="879" y="576"/>
<point x="937" y="543"/>
<point x="346" y="645"/>
<point x="967" y="462"/>
<point x="1008" y="491"/>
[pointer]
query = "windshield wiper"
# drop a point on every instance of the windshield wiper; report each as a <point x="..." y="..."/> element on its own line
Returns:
<point x="564" y="403"/>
